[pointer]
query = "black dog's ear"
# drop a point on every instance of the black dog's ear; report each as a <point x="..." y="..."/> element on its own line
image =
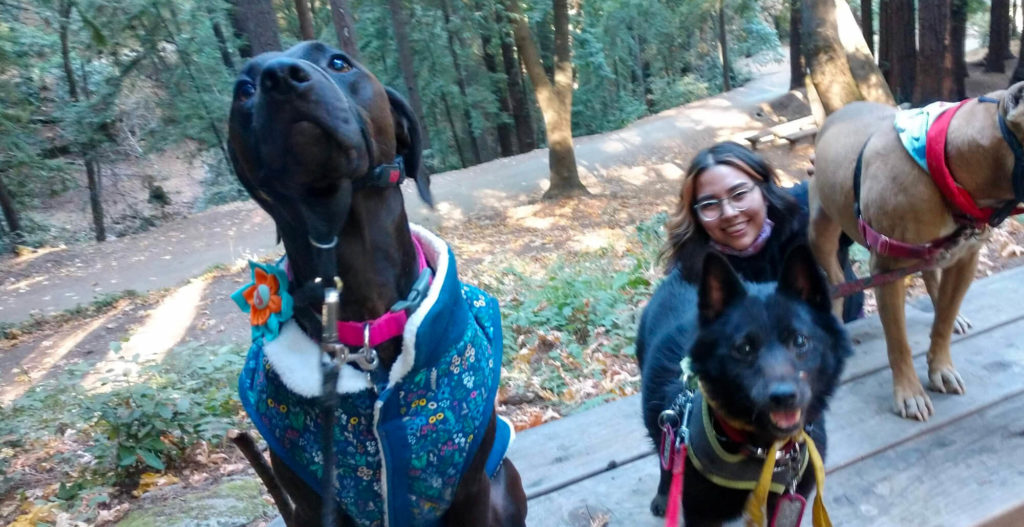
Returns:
<point x="409" y="143"/>
<point x="720" y="287"/>
<point x="803" y="279"/>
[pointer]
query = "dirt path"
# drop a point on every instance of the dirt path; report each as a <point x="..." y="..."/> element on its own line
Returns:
<point x="168" y="255"/>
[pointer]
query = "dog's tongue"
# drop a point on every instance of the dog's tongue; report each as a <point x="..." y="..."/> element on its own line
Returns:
<point x="785" y="419"/>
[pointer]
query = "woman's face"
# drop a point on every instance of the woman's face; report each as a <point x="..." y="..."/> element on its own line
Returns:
<point x="720" y="191"/>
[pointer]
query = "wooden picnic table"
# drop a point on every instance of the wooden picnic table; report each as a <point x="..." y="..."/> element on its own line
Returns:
<point x="965" y="466"/>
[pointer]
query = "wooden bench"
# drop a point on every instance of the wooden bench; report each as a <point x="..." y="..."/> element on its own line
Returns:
<point x="965" y="466"/>
<point x="791" y="132"/>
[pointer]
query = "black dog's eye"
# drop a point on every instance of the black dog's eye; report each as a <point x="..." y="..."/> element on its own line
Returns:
<point x="799" y="341"/>
<point x="339" y="64"/>
<point x="244" y="90"/>
<point x="744" y="350"/>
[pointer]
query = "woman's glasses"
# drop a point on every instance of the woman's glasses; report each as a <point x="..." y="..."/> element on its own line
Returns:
<point x="712" y="209"/>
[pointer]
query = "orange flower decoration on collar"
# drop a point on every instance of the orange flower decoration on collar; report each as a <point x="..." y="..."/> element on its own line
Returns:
<point x="266" y="299"/>
<point x="262" y="297"/>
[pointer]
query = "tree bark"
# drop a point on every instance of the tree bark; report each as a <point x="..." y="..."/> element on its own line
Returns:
<point x="957" y="37"/>
<point x="898" y="47"/>
<point x="723" y="47"/>
<point x="506" y="142"/>
<point x="461" y="82"/>
<point x="866" y="74"/>
<point x="256" y="23"/>
<point x="10" y="212"/>
<point x="92" y="173"/>
<point x="934" y="79"/>
<point x="400" y="23"/>
<point x="826" y="57"/>
<point x="306" y="31"/>
<point x="554" y="98"/>
<point x="796" y="57"/>
<point x="1018" y="72"/>
<point x="345" y="27"/>
<point x="998" y="36"/>
<point x="64" y="11"/>
<point x="526" y="140"/>
<point x="222" y="46"/>
<point x="867" y="24"/>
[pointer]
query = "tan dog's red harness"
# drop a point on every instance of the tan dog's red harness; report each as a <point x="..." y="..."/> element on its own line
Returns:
<point x="967" y="213"/>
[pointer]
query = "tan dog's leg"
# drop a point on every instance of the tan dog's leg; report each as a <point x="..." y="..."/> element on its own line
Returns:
<point x="931" y="283"/>
<point x="909" y="398"/>
<point x="956" y="279"/>
<point x="823" y="236"/>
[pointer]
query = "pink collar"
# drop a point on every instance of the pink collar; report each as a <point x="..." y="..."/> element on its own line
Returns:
<point x="386" y="327"/>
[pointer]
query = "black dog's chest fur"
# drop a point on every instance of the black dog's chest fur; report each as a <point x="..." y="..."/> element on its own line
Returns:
<point x="676" y="324"/>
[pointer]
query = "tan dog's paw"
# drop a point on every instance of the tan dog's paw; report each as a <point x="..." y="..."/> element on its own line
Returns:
<point x="912" y="402"/>
<point x="961" y="325"/>
<point x="946" y="379"/>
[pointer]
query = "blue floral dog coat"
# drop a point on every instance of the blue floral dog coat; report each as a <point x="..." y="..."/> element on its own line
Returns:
<point x="404" y="438"/>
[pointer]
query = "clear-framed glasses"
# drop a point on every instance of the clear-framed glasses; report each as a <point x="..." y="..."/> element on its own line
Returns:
<point x="741" y="199"/>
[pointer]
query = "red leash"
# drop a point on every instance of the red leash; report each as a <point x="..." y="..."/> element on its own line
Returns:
<point x="675" y="491"/>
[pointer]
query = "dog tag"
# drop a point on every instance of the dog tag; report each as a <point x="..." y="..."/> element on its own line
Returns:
<point x="789" y="510"/>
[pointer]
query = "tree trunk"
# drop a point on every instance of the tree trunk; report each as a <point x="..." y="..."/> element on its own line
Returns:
<point x="957" y="37"/>
<point x="934" y="79"/>
<point x="998" y="36"/>
<point x="723" y="47"/>
<point x="92" y="172"/>
<point x="461" y="82"/>
<point x="1018" y="72"/>
<point x="796" y="57"/>
<point x="898" y="47"/>
<point x="641" y="72"/>
<point x="256" y="23"/>
<point x="405" y="61"/>
<point x="64" y="11"/>
<point x="341" y="14"/>
<point x="867" y="24"/>
<point x="506" y="143"/>
<point x="554" y="98"/>
<point x="825" y="56"/>
<point x="10" y="212"/>
<point x="866" y="74"/>
<point x="222" y="46"/>
<point x="521" y="115"/>
<point x="306" y="31"/>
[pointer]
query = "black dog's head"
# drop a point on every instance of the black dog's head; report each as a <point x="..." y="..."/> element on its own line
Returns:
<point x="305" y="124"/>
<point x="769" y="356"/>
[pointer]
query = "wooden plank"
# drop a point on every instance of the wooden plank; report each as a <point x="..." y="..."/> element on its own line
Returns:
<point x="861" y="425"/>
<point x="581" y="445"/>
<point x="795" y="125"/>
<point x="793" y="137"/>
<point x="957" y="475"/>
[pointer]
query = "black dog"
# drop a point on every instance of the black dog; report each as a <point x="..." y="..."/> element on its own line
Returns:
<point x="322" y="146"/>
<point x="767" y="356"/>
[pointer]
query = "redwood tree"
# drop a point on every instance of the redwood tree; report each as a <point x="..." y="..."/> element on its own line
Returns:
<point x="934" y="80"/>
<point x="256" y="23"/>
<point x="825" y="55"/>
<point x="400" y="23"/>
<point x="554" y="97"/>
<point x="897" y="47"/>
<point x="957" y="37"/>
<point x="796" y="57"/>
<point x="341" y="15"/>
<point x="998" y="36"/>
<point x="306" y="31"/>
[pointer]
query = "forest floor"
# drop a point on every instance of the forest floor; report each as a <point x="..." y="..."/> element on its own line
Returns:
<point x="180" y="274"/>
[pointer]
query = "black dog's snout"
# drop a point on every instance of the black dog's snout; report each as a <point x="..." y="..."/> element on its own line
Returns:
<point x="782" y="395"/>
<point x="284" y="77"/>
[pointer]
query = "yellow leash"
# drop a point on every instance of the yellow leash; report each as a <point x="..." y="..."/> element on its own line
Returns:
<point x="756" y="513"/>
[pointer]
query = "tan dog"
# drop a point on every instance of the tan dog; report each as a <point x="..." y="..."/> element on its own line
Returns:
<point x="899" y="199"/>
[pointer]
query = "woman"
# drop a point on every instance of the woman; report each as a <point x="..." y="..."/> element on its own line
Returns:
<point x="731" y="203"/>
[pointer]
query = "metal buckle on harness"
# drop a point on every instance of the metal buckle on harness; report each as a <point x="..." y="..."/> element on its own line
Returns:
<point x="366" y="357"/>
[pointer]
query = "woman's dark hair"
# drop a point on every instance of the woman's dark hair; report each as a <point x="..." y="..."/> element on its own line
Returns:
<point x="687" y="240"/>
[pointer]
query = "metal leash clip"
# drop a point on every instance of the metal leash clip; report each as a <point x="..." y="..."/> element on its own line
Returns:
<point x="366" y="357"/>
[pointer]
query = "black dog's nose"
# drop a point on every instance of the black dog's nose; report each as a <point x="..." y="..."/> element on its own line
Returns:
<point x="284" y="76"/>
<point x="782" y="395"/>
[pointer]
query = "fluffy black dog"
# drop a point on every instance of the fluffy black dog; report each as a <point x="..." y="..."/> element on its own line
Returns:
<point x="767" y="356"/>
